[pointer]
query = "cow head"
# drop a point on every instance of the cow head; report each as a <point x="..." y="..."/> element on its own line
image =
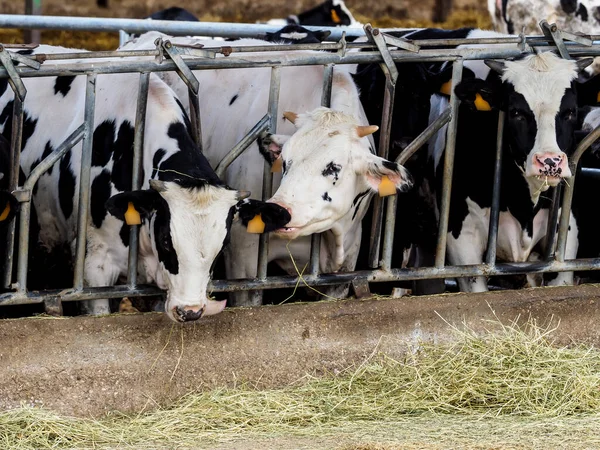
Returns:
<point x="327" y="167"/>
<point x="539" y="97"/>
<point x="187" y="229"/>
<point x="330" y="13"/>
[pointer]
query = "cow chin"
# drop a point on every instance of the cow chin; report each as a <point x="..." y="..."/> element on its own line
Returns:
<point x="181" y="312"/>
<point x="292" y="232"/>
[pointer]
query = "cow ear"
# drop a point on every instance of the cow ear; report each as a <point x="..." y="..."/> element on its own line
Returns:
<point x="133" y="207"/>
<point x="9" y="206"/>
<point x="321" y="35"/>
<point x="270" y="146"/>
<point x="271" y="215"/>
<point x="478" y="94"/>
<point x="588" y="93"/>
<point x="384" y="176"/>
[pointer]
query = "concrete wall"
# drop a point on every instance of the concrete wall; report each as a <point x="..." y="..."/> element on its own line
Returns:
<point x="87" y="366"/>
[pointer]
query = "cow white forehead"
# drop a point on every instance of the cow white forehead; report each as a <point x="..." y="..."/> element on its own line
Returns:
<point x="541" y="79"/>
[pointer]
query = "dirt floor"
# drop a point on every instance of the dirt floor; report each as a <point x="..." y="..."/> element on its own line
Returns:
<point x="384" y="13"/>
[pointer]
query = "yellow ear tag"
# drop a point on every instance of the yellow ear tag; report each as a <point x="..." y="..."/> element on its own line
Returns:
<point x="277" y="165"/>
<point x="386" y="187"/>
<point x="335" y="17"/>
<point x="481" y="104"/>
<point x="132" y="217"/>
<point x="5" y="213"/>
<point x="598" y="97"/>
<point x="256" y="225"/>
<point x="446" y="88"/>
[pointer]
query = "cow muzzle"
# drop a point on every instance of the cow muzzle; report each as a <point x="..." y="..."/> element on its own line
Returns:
<point x="550" y="166"/>
<point x="190" y="313"/>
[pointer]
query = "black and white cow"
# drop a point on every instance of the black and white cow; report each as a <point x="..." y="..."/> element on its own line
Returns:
<point x="512" y="16"/>
<point x="334" y="168"/>
<point x="187" y="211"/>
<point x="173" y="13"/>
<point x="539" y="96"/>
<point x="330" y="13"/>
<point x="296" y="34"/>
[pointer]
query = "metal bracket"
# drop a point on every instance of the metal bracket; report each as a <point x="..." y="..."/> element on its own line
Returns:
<point x="361" y="288"/>
<point x="402" y="43"/>
<point x="14" y="78"/>
<point x="22" y="195"/>
<point x="182" y="69"/>
<point x="343" y="45"/>
<point x="375" y="36"/>
<point x="26" y="61"/>
<point x="553" y="34"/>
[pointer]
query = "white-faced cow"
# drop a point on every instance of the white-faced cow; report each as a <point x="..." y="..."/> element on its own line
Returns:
<point x="538" y="94"/>
<point x="332" y="164"/>
<point x="186" y="209"/>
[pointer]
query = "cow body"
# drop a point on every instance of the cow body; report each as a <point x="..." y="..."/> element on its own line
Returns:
<point x="235" y="100"/>
<point x="186" y="210"/>
<point x="539" y="96"/>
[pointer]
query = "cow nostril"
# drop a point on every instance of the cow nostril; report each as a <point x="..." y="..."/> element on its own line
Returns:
<point x="184" y="314"/>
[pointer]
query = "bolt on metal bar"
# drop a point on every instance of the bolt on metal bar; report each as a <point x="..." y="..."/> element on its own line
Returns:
<point x="24" y="196"/>
<point x="267" y="187"/>
<point x="239" y="148"/>
<point x="136" y="181"/>
<point x="553" y="34"/>
<point x="567" y="200"/>
<point x="390" y="217"/>
<point x="315" y="243"/>
<point x="495" y="207"/>
<point x="13" y="180"/>
<point x="440" y="256"/>
<point x="14" y="78"/>
<point x="84" y="181"/>
<point x="391" y="75"/>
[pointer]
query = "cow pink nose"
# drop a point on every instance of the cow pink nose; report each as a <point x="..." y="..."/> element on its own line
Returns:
<point x="187" y="313"/>
<point x="550" y="164"/>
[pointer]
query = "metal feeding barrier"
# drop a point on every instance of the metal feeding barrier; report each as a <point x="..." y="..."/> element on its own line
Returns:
<point x="379" y="47"/>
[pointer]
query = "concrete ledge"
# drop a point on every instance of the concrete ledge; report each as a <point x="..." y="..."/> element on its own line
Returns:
<point x="87" y="366"/>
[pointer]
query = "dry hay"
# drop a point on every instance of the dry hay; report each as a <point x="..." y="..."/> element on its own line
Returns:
<point x="509" y="386"/>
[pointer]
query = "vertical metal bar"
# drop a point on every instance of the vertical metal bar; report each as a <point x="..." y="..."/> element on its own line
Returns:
<point x="552" y="223"/>
<point x="136" y="182"/>
<point x="440" y="257"/>
<point x="388" y="233"/>
<point x="32" y="7"/>
<point x="384" y="142"/>
<point x="195" y="118"/>
<point x="13" y="180"/>
<point x="315" y="246"/>
<point x="267" y="187"/>
<point x="84" y="180"/>
<point x="495" y="209"/>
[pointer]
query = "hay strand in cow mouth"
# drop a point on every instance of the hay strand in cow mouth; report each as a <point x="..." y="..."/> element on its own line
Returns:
<point x="510" y="371"/>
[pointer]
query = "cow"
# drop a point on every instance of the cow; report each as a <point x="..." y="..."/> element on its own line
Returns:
<point x="539" y="95"/>
<point x="185" y="210"/>
<point x="330" y="13"/>
<point x="335" y="189"/>
<point x="173" y="13"/>
<point x="296" y="34"/>
<point x="514" y="16"/>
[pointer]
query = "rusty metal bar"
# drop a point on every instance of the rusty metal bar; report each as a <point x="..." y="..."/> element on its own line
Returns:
<point x="440" y="257"/>
<point x="495" y="207"/>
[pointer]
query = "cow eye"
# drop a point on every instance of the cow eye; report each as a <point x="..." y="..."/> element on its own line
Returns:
<point x="569" y="114"/>
<point x="517" y="114"/>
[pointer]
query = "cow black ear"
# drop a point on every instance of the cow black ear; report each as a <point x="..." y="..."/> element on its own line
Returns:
<point x="478" y="94"/>
<point x="441" y="82"/>
<point x="124" y="206"/>
<point x="9" y="206"/>
<point x="273" y="215"/>
<point x="588" y="93"/>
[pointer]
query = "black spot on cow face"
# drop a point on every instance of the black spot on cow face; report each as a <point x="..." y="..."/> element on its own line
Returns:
<point x="332" y="170"/>
<point x="568" y="6"/>
<point x="522" y="126"/>
<point x="566" y="122"/>
<point x="102" y="148"/>
<point x="233" y="99"/>
<point x="100" y="194"/>
<point x="124" y="234"/>
<point x="62" y="85"/>
<point x="66" y="185"/>
<point x="156" y="159"/>
<point x="357" y="201"/>
<point x="123" y="158"/>
<point x="286" y="165"/>
<point x="582" y="12"/>
<point x="188" y="168"/>
<point x="326" y="197"/>
<point x="162" y="237"/>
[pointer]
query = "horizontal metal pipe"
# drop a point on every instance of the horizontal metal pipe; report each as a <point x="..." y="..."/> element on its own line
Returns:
<point x="373" y="276"/>
<point x="223" y="29"/>
<point x="241" y="146"/>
